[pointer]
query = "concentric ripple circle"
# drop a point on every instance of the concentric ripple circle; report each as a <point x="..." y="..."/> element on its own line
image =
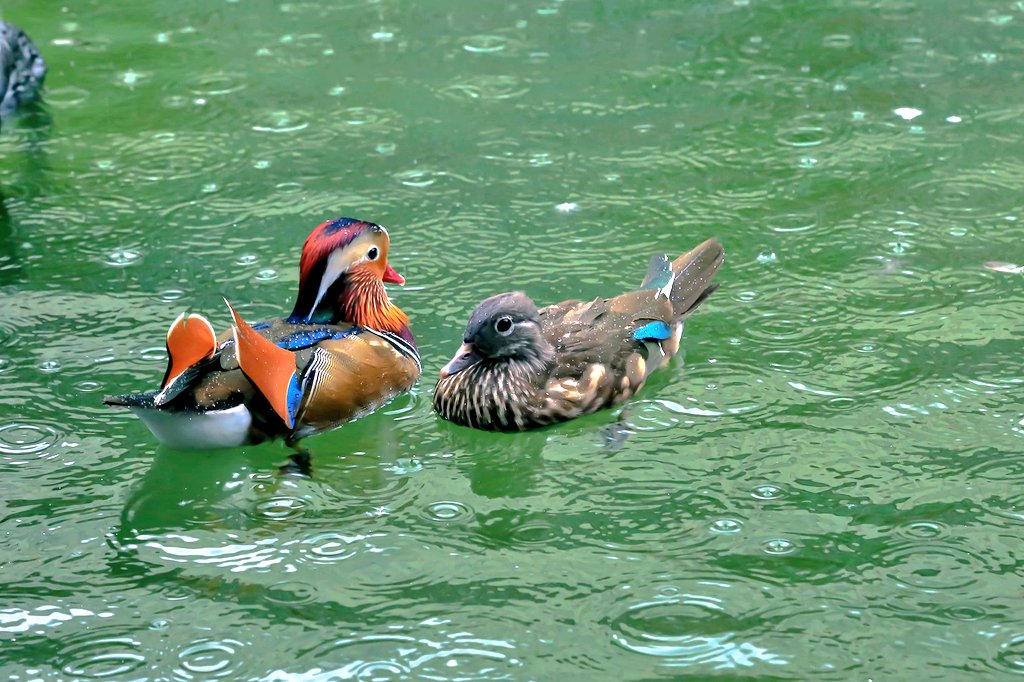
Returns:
<point x="101" y="658"/>
<point x="209" y="659"/>
<point x="18" y="439"/>
<point x="448" y="512"/>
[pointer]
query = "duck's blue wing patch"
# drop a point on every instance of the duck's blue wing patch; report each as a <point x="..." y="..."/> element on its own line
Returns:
<point x="653" y="331"/>
<point x="294" y="397"/>
<point x="311" y="337"/>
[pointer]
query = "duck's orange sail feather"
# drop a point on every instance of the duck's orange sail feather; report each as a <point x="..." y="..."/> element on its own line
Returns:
<point x="270" y="368"/>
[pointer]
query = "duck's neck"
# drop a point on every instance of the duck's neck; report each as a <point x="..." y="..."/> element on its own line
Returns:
<point x="361" y="300"/>
<point x="365" y="303"/>
<point x="502" y="394"/>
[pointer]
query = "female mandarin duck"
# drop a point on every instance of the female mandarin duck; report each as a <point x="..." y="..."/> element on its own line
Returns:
<point x="343" y="352"/>
<point x="520" y="368"/>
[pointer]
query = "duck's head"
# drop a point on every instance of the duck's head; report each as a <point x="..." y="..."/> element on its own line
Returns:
<point x="505" y="327"/>
<point x="341" y="274"/>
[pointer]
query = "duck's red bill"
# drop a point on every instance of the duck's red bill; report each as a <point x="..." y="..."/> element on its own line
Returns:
<point x="393" y="277"/>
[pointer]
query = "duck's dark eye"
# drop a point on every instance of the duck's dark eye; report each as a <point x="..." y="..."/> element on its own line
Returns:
<point x="372" y="253"/>
<point x="503" y="326"/>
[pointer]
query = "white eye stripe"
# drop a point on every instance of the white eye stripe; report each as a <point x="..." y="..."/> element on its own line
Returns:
<point x="336" y="266"/>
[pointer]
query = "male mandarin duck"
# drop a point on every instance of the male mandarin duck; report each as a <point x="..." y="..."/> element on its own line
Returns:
<point x="520" y="368"/>
<point x="343" y="352"/>
<point x="22" y="68"/>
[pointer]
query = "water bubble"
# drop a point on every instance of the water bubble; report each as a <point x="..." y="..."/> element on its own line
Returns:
<point x="337" y="91"/>
<point x="383" y="36"/>
<point x="567" y="207"/>
<point x="766" y="257"/>
<point x="807" y="162"/>
<point x="282" y="122"/>
<point x="281" y="508"/>
<point x="210" y="658"/>
<point x="416" y="178"/>
<point x="329" y="548"/>
<point x="779" y="546"/>
<point x="448" y="511"/>
<point x="122" y="258"/>
<point x="406" y="465"/>
<point x="217" y="83"/>
<point x="246" y="259"/>
<point x="484" y="44"/>
<point x="804" y="136"/>
<point x="209" y="187"/>
<point x="266" y="274"/>
<point x="49" y="366"/>
<point x="926" y="530"/>
<point x="88" y="386"/>
<point x="131" y="78"/>
<point x="725" y="526"/>
<point x="954" y="119"/>
<point x="386" y="148"/>
<point x="767" y="492"/>
<point x="536" y="532"/>
<point x="907" y="113"/>
<point x="966" y="612"/>
<point x="169" y="295"/>
<point x="652" y="415"/>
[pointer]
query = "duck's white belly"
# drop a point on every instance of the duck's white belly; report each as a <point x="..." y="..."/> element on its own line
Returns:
<point x="198" y="430"/>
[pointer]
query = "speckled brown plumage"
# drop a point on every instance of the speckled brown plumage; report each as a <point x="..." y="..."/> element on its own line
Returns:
<point x="521" y="368"/>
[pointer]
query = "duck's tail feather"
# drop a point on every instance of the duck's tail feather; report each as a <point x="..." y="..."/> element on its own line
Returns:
<point x="659" y="274"/>
<point x="190" y="340"/>
<point x="270" y="368"/>
<point x="693" y="273"/>
<point x="131" y="400"/>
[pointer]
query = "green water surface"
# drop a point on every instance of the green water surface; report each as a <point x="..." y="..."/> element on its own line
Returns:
<point x="830" y="487"/>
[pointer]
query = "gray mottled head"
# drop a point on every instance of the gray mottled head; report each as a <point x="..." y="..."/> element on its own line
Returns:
<point x="506" y="326"/>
